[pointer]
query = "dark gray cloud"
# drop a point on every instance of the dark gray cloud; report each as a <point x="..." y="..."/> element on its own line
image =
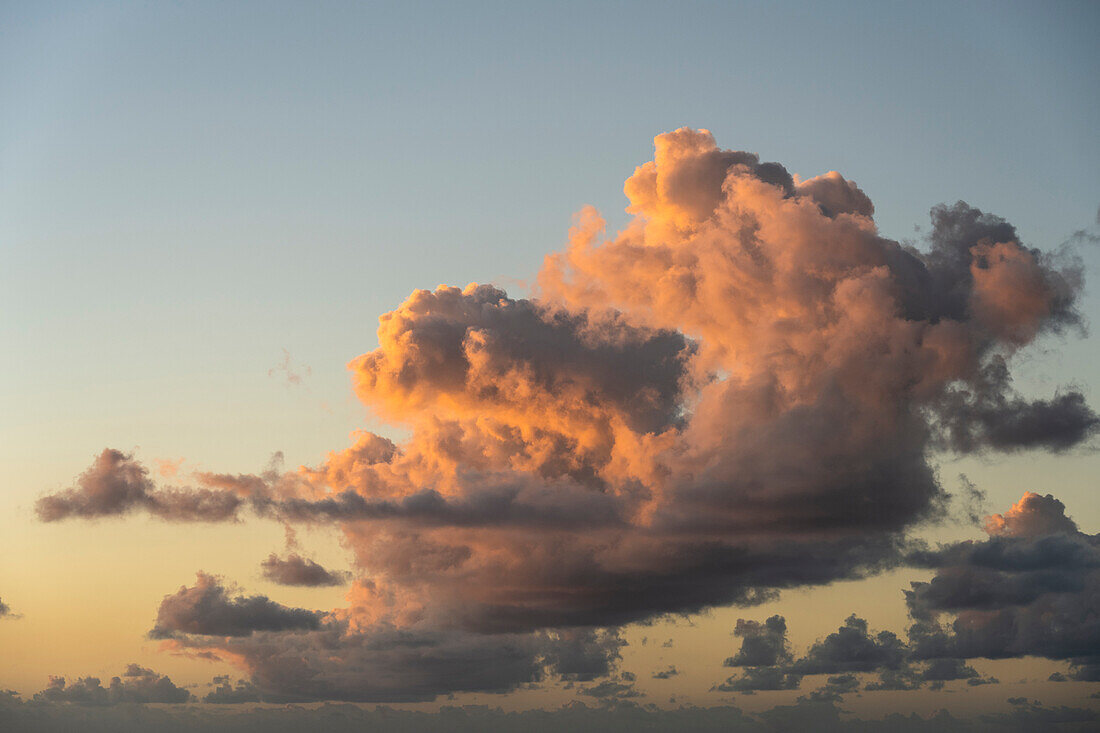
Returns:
<point x="1032" y="715"/>
<point x="1031" y="589"/>
<point x="582" y="655"/>
<point x="762" y="645"/>
<point x="135" y="685"/>
<point x="667" y="673"/>
<point x="227" y="693"/>
<point x="207" y="608"/>
<point x="761" y="678"/>
<point x="904" y="678"/>
<point x="948" y="670"/>
<point x="6" y="612"/>
<point x="297" y="570"/>
<point x="292" y="652"/>
<point x="957" y="241"/>
<point x="853" y="648"/>
<point x="988" y="413"/>
<point x="387" y="664"/>
<point x="835" y="688"/>
<point x="620" y="716"/>
<point x="611" y="690"/>
<point x="116" y="484"/>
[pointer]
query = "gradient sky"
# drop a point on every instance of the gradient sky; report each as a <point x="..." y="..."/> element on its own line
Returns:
<point x="198" y="200"/>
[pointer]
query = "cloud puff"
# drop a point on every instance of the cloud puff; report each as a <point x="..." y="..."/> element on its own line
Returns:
<point x="763" y="644"/>
<point x="136" y="685"/>
<point x="116" y="484"/>
<point x="654" y="431"/>
<point x="291" y="373"/>
<point x="298" y="570"/>
<point x="207" y="608"/>
<point x="1031" y="589"/>
<point x="6" y="612"/>
<point x="834" y="689"/>
<point x="853" y="648"/>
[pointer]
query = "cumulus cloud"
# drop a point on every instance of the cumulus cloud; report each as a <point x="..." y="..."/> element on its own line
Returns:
<point x="654" y="431"/>
<point x="1031" y="589"/>
<point x="844" y="654"/>
<point x="763" y="644"/>
<point x="6" y="612"/>
<point x="136" y="685"/>
<point x="297" y="570"/>
<point x="853" y="648"/>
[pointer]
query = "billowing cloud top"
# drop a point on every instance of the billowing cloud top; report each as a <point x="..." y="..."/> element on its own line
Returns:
<point x="737" y="393"/>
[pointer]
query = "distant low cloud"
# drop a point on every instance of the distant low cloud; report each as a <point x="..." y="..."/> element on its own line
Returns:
<point x="136" y="685"/>
<point x="763" y="644"/>
<point x="606" y="714"/>
<point x="227" y="693"/>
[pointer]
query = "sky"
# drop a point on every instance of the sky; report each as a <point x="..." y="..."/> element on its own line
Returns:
<point x="598" y="360"/>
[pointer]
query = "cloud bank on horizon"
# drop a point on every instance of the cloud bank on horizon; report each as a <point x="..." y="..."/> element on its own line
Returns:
<point x="737" y="394"/>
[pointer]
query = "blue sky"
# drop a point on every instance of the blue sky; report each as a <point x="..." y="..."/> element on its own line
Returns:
<point x="266" y="176"/>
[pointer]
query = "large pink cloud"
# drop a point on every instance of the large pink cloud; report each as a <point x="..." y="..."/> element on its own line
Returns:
<point x="739" y="392"/>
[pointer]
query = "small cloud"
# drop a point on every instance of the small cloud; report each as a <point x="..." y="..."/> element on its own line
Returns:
<point x="168" y="468"/>
<point x="298" y="570"/>
<point x="6" y="612"/>
<point x="288" y="371"/>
